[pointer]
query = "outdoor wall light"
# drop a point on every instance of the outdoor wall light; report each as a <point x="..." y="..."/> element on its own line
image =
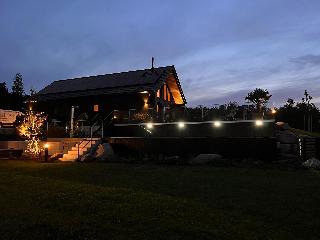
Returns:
<point x="46" y="152"/>
<point x="259" y="123"/>
<point x="181" y="125"/>
<point x="273" y="111"/>
<point x="217" y="123"/>
<point x="149" y="125"/>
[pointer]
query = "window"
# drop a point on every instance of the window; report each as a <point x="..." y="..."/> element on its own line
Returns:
<point x="96" y="108"/>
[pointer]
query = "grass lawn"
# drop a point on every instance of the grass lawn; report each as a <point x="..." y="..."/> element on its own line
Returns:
<point x="132" y="201"/>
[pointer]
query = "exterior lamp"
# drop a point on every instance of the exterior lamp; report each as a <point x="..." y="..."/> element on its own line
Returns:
<point x="149" y="125"/>
<point x="46" y="152"/>
<point x="217" y="123"/>
<point x="273" y="111"/>
<point x="181" y="125"/>
<point x="259" y="123"/>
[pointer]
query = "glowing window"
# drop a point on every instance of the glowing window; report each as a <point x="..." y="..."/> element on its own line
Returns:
<point x="96" y="108"/>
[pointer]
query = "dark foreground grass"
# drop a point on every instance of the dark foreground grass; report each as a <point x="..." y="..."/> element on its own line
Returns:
<point x="128" y="201"/>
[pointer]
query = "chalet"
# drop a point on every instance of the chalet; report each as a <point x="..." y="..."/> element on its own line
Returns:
<point x="155" y="91"/>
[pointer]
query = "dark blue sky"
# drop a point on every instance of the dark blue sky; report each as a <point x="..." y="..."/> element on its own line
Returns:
<point x="221" y="49"/>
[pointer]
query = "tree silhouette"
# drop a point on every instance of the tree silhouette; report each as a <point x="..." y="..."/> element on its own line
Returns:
<point x="17" y="94"/>
<point x="17" y="86"/>
<point x="4" y="96"/>
<point x="259" y="97"/>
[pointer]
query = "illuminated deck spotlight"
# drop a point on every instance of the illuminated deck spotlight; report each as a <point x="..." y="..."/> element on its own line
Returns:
<point x="217" y="124"/>
<point x="149" y="125"/>
<point x="181" y="125"/>
<point x="259" y="123"/>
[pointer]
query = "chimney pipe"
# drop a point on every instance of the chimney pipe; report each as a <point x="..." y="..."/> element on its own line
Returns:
<point x="152" y="61"/>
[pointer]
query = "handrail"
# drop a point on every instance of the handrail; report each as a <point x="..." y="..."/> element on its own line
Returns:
<point x="97" y="119"/>
<point x="83" y="146"/>
<point x="103" y="121"/>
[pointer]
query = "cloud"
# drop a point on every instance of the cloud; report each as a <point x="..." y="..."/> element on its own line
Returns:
<point x="221" y="49"/>
<point x="309" y="59"/>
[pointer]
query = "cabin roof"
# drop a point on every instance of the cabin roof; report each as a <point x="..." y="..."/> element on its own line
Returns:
<point x="115" y="83"/>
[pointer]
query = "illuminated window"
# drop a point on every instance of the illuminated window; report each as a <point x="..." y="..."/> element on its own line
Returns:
<point x="158" y="93"/>
<point x="96" y="108"/>
<point x="164" y="92"/>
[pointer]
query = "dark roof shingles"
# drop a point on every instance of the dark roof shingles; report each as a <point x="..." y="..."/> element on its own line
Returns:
<point x="115" y="80"/>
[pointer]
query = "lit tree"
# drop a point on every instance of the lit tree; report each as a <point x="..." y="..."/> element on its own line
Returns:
<point x="31" y="127"/>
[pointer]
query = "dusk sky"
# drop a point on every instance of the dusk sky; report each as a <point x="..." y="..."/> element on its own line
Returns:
<point x="221" y="49"/>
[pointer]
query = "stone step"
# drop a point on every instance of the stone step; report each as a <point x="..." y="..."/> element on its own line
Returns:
<point x="68" y="159"/>
<point x="72" y="154"/>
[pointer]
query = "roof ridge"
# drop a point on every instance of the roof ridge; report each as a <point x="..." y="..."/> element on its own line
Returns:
<point x="99" y="75"/>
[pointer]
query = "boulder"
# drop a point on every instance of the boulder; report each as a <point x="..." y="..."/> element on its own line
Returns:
<point x="287" y="137"/>
<point x="202" y="159"/>
<point x="290" y="148"/>
<point x="312" y="163"/>
<point x="99" y="152"/>
<point x="282" y="126"/>
<point x="105" y="152"/>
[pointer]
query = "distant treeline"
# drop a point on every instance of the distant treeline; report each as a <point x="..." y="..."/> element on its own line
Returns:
<point x="301" y="114"/>
<point x="14" y="99"/>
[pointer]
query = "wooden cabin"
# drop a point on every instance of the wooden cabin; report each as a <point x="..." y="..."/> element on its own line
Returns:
<point x="156" y="91"/>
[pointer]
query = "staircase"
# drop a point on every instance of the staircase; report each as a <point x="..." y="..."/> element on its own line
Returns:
<point x="83" y="148"/>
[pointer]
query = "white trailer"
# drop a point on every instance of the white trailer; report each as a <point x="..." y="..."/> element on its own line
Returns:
<point x="8" y="117"/>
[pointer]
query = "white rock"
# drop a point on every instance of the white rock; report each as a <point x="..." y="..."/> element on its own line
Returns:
<point x="312" y="163"/>
<point x="283" y="125"/>
<point x="287" y="137"/>
<point x="206" y="158"/>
